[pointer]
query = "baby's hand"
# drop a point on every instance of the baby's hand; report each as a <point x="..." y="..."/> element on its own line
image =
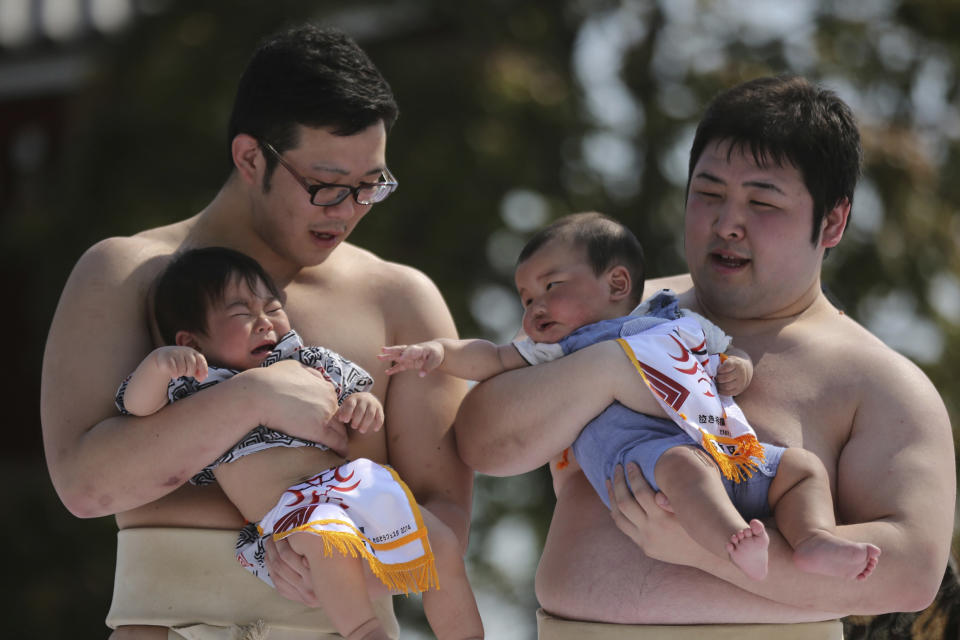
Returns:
<point x="734" y="375"/>
<point x="362" y="410"/>
<point x="176" y="362"/>
<point x="425" y="356"/>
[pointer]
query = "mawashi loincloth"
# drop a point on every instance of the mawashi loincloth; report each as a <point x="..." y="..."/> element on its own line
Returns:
<point x="364" y="509"/>
<point x="189" y="580"/>
<point x="551" y="628"/>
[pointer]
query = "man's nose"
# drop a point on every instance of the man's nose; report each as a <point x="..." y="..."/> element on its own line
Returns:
<point x="342" y="210"/>
<point x="729" y="221"/>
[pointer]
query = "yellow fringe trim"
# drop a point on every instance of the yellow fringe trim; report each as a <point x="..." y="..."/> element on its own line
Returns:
<point x="417" y="575"/>
<point x="738" y="465"/>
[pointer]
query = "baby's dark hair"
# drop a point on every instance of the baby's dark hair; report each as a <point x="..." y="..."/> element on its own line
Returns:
<point x="195" y="280"/>
<point x="607" y="242"/>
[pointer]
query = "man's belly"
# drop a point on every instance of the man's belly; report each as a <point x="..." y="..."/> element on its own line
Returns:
<point x="589" y="570"/>
<point x="188" y="506"/>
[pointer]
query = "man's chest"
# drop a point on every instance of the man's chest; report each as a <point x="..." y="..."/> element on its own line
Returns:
<point x="355" y="329"/>
<point x="351" y="327"/>
<point x="790" y="403"/>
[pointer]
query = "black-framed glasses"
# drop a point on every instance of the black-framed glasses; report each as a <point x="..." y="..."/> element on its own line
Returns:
<point x="328" y="194"/>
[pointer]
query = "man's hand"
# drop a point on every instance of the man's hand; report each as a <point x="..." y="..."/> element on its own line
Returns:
<point x="425" y="356"/>
<point x="734" y="375"/>
<point x="298" y="401"/>
<point x="647" y="518"/>
<point x="176" y="362"/>
<point x="362" y="411"/>
<point x="290" y="572"/>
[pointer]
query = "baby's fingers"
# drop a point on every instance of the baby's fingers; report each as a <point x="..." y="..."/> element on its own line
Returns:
<point x="395" y="351"/>
<point x="200" y="369"/>
<point x="398" y="366"/>
<point x="367" y="417"/>
<point x="376" y="419"/>
<point x="347" y="409"/>
<point x="729" y="377"/>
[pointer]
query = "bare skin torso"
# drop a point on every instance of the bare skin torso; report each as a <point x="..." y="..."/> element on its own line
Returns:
<point x="589" y="570"/>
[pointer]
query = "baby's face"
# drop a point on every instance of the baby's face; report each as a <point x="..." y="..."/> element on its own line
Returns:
<point x="559" y="292"/>
<point x="244" y="327"/>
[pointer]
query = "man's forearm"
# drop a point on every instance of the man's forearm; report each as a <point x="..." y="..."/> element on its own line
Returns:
<point x="125" y="462"/>
<point x="906" y="578"/>
<point x="122" y="463"/>
<point x="518" y="421"/>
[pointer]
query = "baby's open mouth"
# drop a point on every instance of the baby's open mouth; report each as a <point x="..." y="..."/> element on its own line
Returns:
<point x="264" y="348"/>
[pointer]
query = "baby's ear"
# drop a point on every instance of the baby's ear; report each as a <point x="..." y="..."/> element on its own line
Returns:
<point x="186" y="339"/>
<point x="618" y="278"/>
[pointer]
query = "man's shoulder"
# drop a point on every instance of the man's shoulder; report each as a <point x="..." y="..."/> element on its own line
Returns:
<point x="129" y="260"/>
<point x="841" y="339"/>
<point x="142" y="245"/>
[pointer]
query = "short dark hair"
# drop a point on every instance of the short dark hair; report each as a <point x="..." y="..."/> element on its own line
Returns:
<point x="312" y="77"/>
<point x="607" y="243"/>
<point x="788" y="119"/>
<point x="195" y="280"/>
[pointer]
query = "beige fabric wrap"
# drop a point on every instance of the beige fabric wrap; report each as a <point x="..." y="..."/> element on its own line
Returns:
<point x="551" y="628"/>
<point x="190" y="581"/>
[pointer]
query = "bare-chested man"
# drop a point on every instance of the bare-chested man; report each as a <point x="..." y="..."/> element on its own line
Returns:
<point x="772" y="174"/>
<point x="308" y="129"/>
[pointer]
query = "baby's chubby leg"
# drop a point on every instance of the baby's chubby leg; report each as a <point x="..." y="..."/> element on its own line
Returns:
<point x="341" y="588"/>
<point x="690" y="480"/>
<point x="803" y="509"/>
<point x="451" y="609"/>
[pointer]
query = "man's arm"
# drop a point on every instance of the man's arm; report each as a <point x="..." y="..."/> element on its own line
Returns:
<point x="895" y="488"/>
<point x="521" y="419"/>
<point x="420" y="411"/>
<point x="102" y="463"/>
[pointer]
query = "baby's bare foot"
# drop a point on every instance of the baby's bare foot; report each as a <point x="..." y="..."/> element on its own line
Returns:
<point x="748" y="550"/>
<point x="830" y="555"/>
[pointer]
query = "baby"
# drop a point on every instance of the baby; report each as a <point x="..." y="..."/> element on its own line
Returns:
<point x="221" y="313"/>
<point x="579" y="281"/>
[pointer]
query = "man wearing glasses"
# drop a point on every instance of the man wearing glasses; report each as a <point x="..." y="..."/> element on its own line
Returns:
<point x="311" y="102"/>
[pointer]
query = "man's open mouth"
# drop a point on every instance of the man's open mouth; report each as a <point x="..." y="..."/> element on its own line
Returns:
<point x="731" y="262"/>
<point x="324" y="235"/>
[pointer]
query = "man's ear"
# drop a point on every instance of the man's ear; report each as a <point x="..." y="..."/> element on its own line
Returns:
<point x="618" y="278"/>
<point x="834" y="224"/>
<point x="187" y="339"/>
<point x="247" y="157"/>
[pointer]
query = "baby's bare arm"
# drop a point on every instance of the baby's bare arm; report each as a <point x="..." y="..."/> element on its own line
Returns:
<point x="734" y="373"/>
<point x="467" y="359"/>
<point x="146" y="391"/>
